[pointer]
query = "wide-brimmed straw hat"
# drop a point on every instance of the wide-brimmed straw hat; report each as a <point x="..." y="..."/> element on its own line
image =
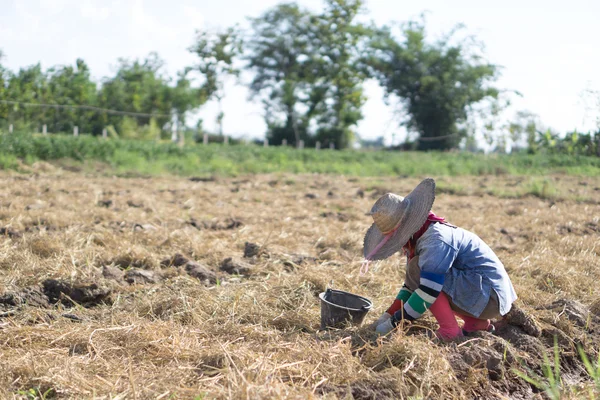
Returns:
<point x="396" y="219"/>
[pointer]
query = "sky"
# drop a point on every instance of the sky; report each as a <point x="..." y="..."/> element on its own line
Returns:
<point x="549" y="50"/>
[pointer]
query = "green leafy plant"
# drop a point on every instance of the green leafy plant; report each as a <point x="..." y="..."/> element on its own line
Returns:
<point x="36" y="394"/>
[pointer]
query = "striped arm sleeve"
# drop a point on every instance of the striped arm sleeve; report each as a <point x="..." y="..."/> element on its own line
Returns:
<point x="404" y="293"/>
<point x="421" y="299"/>
<point x="402" y="298"/>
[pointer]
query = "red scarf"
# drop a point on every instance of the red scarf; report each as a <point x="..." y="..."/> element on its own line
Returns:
<point x="411" y="246"/>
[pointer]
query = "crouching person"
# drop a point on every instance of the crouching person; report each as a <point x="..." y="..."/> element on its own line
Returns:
<point x="450" y="271"/>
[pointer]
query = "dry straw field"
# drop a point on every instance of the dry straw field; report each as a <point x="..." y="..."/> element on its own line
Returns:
<point x="171" y="288"/>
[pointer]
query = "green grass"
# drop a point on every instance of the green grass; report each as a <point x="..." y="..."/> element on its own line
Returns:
<point x="154" y="158"/>
<point x="537" y="186"/>
<point x="551" y="382"/>
<point x="8" y="161"/>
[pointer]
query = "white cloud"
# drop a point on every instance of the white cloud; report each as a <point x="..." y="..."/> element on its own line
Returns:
<point x="92" y="11"/>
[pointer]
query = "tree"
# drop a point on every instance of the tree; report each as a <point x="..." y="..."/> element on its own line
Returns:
<point x="68" y="85"/>
<point x="306" y="73"/>
<point x="281" y="55"/>
<point x="4" y="79"/>
<point x="216" y="53"/>
<point x="184" y="98"/>
<point x="523" y="131"/>
<point x="437" y="83"/>
<point x="138" y="86"/>
<point x="29" y="85"/>
<point x="37" y="90"/>
<point x="340" y="41"/>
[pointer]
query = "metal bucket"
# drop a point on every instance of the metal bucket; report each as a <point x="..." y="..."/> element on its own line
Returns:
<point x="339" y="308"/>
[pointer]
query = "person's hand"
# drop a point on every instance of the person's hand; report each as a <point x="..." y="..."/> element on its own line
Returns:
<point x="384" y="317"/>
<point x="385" y="327"/>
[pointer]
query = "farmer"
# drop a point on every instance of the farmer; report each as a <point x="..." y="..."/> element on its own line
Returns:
<point x="450" y="271"/>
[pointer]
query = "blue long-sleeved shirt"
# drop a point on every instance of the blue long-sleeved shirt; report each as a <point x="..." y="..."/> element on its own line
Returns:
<point x="462" y="265"/>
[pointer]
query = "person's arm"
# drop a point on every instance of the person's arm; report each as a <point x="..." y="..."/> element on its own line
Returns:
<point x="435" y="259"/>
<point x="398" y="303"/>
<point x="401" y="298"/>
<point x="430" y="286"/>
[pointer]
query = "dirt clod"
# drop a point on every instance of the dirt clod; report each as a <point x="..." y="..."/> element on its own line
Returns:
<point x="339" y="216"/>
<point x="562" y="338"/>
<point x="11" y="233"/>
<point x="300" y="259"/>
<point x="73" y="317"/>
<point x="200" y="272"/>
<point x="521" y="340"/>
<point x="360" y="391"/>
<point x="234" y="266"/>
<point x="251" y="250"/>
<point x="32" y="296"/>
<point x="53" y="291"/>
<point x="105" y="203"/>
<point x="142" y="276"/>
<point x="595" y="308"/>
<point x="487" y="358"/>
<point x="135" y="204"/>
<point x="87" y="295"/>
<point x="176" y="261"/>
<point x="574" y="310"/>
<point x="202" y="179"/>
<point x="227" y="224"/>
<point x="519" y="318"/>
<point x="112" y="273"/>
<point x="495" y="357"/>
<point x="125" y="261"/>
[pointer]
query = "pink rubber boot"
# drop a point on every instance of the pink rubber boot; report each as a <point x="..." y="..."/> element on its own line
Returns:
<point x="444" y="315"/>
<point x="473" y="324"/>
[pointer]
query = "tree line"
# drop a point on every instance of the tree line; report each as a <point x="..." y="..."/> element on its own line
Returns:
<point x="308" y="70"/>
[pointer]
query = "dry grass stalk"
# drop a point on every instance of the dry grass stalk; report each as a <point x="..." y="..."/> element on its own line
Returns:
<point x="257" y="336"/>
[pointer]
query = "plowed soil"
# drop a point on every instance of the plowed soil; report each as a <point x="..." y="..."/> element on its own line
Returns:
<point x="166" y="288"/>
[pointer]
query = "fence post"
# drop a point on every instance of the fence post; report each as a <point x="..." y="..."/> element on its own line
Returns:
<point x="44" y="129"/>
<point x="317" y="145"/>
<point x="266" y="143"/>
<point x="104" y="133"/>
<point x="10" y="128"/>
<point x="284" y="142"/>
<point x="331" y="146"/>
<point x="205" y="139"/>
<point x="301" y="144"/>
<point x="76" y="131"/>
<point x="225" y="139"/>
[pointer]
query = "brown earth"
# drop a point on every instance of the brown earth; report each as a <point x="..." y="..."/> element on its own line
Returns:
<point x="183" y="288"/>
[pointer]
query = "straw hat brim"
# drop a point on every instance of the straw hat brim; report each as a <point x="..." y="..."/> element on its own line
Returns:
<point x="420" y="202"/>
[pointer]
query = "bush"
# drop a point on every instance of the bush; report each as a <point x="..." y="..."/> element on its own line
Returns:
<point x="155" y="157"/>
